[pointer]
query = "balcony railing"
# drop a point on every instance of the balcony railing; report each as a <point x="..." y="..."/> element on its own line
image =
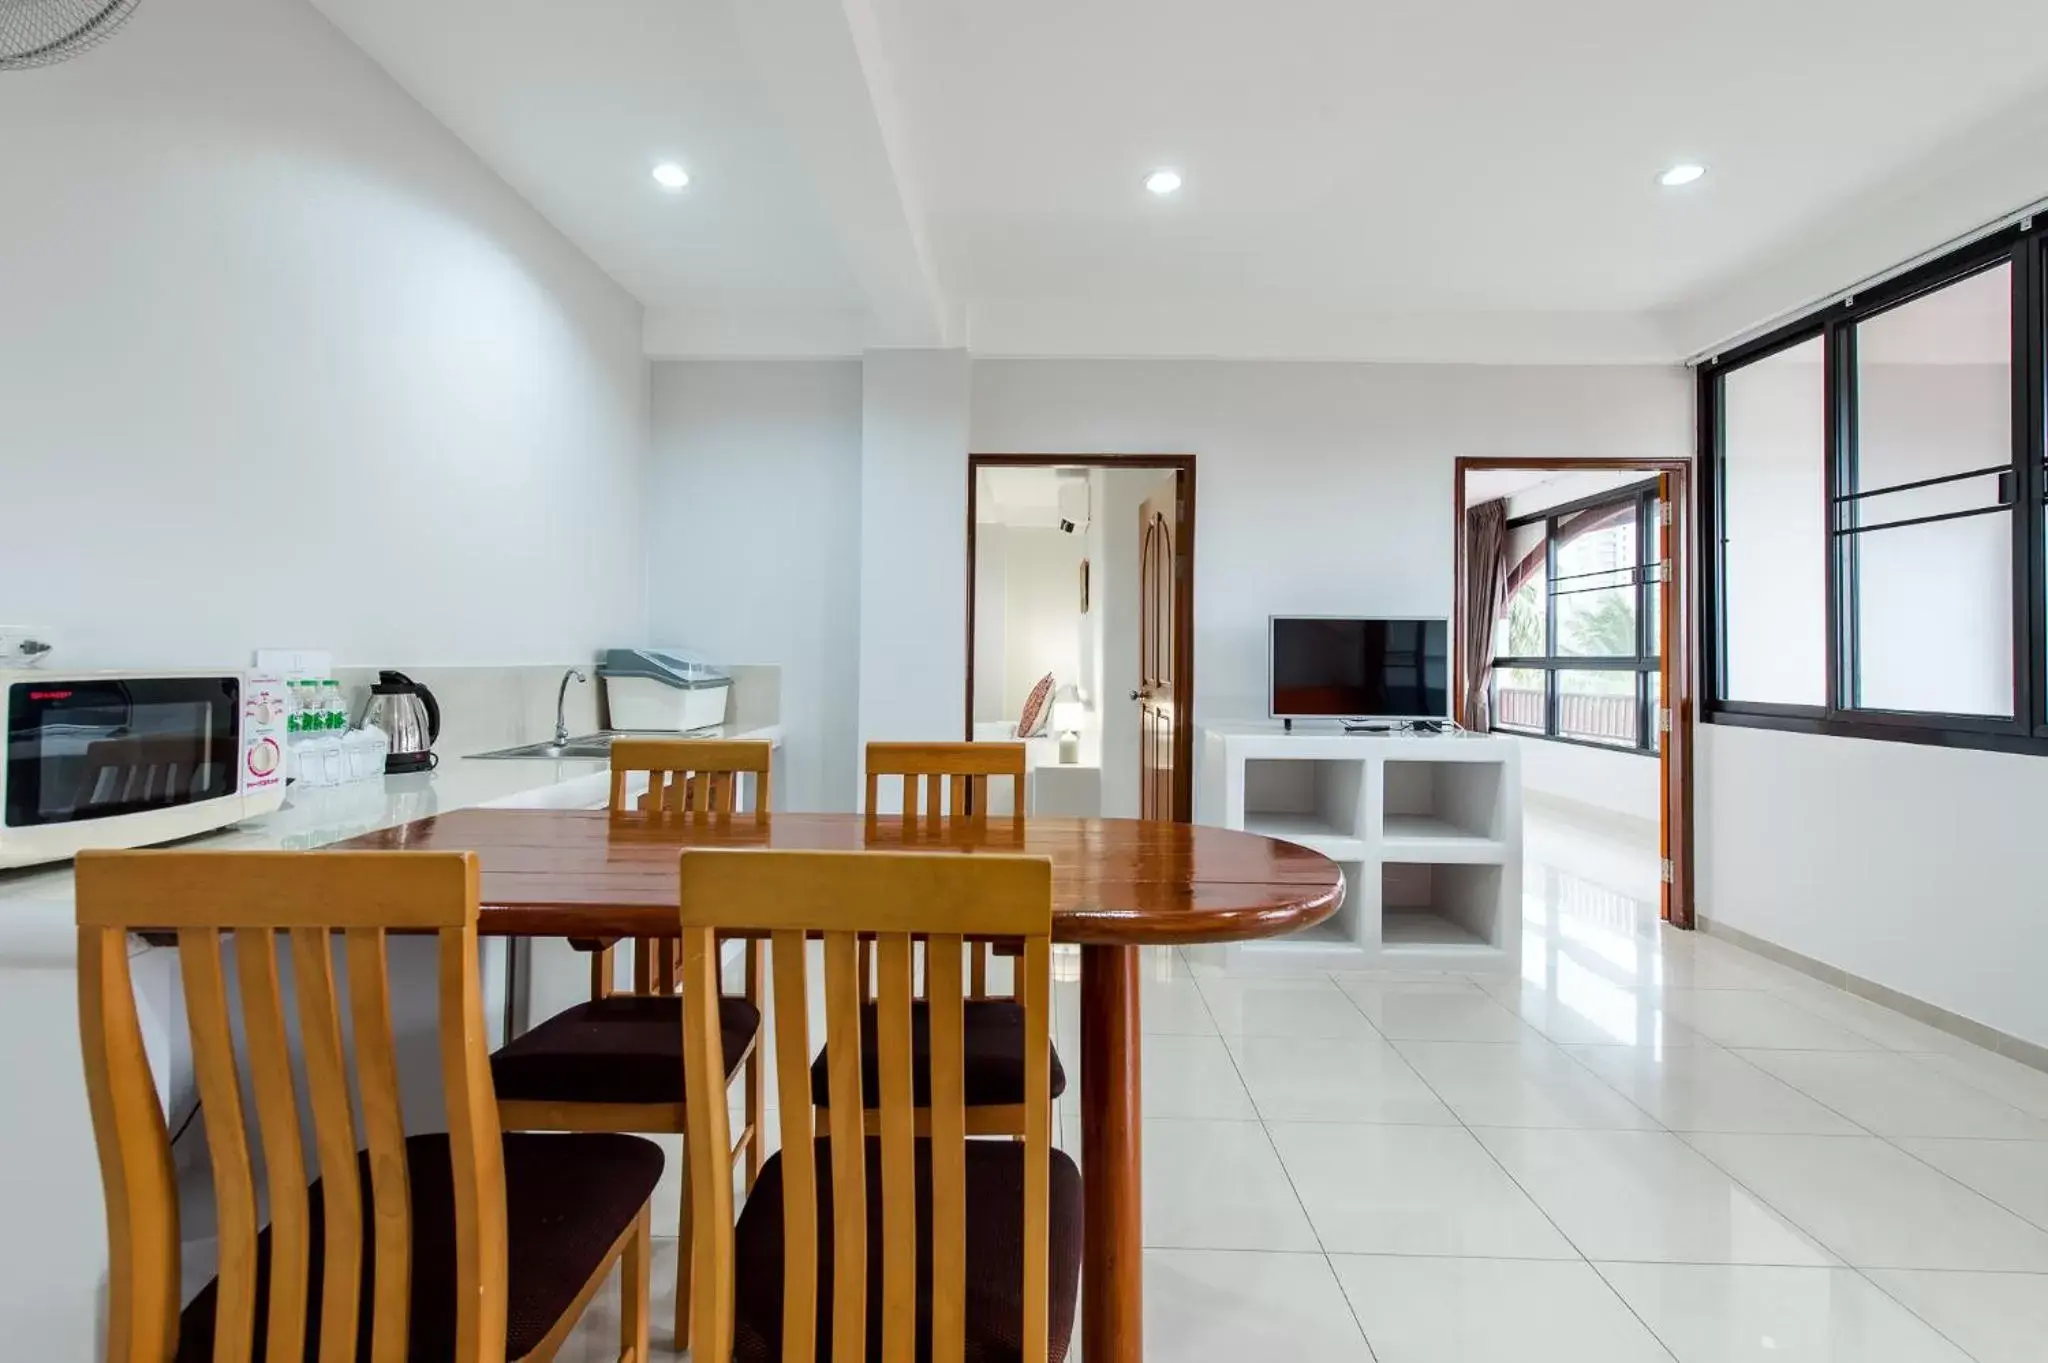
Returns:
<point x="1594" y="719"/>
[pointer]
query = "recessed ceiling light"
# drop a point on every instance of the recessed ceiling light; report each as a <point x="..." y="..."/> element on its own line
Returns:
<point x="1163" y="181"/>
<point x="669" y="175"/>
<point x="1684" y="173"/>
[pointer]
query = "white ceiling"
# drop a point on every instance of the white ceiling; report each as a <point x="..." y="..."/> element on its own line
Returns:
<point x="1372" y="178"/>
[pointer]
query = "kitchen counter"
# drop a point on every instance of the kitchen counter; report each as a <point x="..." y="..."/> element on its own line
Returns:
<point x="53" y="1250"/>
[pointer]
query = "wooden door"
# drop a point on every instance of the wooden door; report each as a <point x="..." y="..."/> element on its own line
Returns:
<point x="1156" y="554"/>
<point x="1671" y="713"/>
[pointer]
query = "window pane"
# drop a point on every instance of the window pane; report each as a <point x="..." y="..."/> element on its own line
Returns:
<point x="1597" y="707"/>
<point x="1523" y="628"/>
<point x="1595" y="583"/>
<point x="1933" y="602"/>
<point x="1775" y="528"/>
<point x="1934" y="617"/>
<point x="1518" y="699"/>
<point x="1655" y="682"/>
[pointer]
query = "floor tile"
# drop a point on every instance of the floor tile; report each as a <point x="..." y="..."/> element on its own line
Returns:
<point x="1491" y="1311"/>
<point x="1645" y="1195"/>
<point x="1754" y="1018"/>
<point x="1219" y="1185"/>
<point x="1208" y="1306"/>
<point x="1997" y="1317"/>
<point x="2014" y="1174"/>
<point x="1443" y="1011"/>
<point x="1704" y="1088"/>
<point x="1896" y="1095"/>
<point x="2023" y="1086"/>
<point x="1531" y="1083"/>
<point x="1411" y="1190"/>
<point x="1183" y="1076"/>
<point x="1576" y="1009"/>
<point x="1282" y="1008"/>
<point x="1876" y="1206"/>
<point x="1888" y="1028"/>
<point x="1360" y="1079"/>
<point x="1749" y="1314"/>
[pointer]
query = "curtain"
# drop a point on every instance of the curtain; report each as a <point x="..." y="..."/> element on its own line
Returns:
<point x="1486" y="577"/>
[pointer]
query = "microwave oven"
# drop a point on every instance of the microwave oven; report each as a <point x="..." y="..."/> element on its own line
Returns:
<point x="129" y="759"/>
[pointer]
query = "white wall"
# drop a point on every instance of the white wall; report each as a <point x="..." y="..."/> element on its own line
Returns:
<point x="753" y="529"/>
<point x="991" y="638"/>
<point x="1621" y="783"/>
<point x="1321" y="487"/>
<point x="1042" y="618"/>
<point x="1915" y="867"/>
<point x="282" y="363"/>
<point x="913" y="545"/>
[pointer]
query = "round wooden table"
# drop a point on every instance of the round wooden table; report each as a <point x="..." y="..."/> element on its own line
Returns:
<point x="1118" y="884"/>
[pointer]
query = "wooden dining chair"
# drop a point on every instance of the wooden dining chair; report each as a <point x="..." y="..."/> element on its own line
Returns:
<point x="470" y="1246"/>
<point x="914" y="1241"/>
<point x="945" y="794"/>
<point x="615" y="1063"/>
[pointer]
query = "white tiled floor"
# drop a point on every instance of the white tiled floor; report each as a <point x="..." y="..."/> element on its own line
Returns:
<point x="1652" y="1146"/>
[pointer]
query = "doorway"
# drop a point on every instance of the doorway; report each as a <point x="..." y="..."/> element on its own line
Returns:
<point x="1081" y="568"/>
<point x="1586" y="653"/>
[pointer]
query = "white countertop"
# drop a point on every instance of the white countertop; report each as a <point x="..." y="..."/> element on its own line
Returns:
<point x="37" y="915"/>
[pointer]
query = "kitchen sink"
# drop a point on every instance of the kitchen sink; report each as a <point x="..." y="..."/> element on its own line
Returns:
<point x="589" y="745"/>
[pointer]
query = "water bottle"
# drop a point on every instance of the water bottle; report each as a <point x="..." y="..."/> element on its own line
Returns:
<point x="334" y="707"/>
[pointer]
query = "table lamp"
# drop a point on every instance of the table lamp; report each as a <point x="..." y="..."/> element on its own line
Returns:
<point x="1067" y="714"/>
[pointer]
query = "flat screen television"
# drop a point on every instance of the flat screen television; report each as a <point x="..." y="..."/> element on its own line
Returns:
<point x="1340" y="667"/>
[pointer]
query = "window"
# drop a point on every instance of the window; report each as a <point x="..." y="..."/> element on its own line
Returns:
<point x="1774" y="544"/>
<point x="1576" y="643"/>
<point x="1873" y="520"/>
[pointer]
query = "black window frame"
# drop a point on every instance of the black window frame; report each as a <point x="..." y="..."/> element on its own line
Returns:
<point x="2023" y="246"/>
<point x="1647" y="663"/>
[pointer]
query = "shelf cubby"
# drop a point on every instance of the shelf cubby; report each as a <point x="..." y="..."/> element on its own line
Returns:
<point x="1426" y="828"/>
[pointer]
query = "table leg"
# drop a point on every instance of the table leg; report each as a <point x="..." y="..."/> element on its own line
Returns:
<point x="1112" y="1268"/>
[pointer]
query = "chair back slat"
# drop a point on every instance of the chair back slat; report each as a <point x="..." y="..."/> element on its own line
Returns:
<point x="898" y="1121"/>
<point x="848" y="1136"/>
<point x="960" y="773"/>
<point x="135" y="1156"/>
<point x="897" y="900"/>
<point x="334" y="1138"/>
<point x="948" y="1145"/>
<point x="697" y="777"/>
<point x="799" y="1176"/>
<point x="369" y="987"/>
<point x="284" y="1155"/>
<point x="220" y="1097"/>
<point x="246" y="899"/>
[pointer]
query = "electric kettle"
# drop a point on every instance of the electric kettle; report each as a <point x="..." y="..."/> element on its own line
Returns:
<point x="409" y="716"/>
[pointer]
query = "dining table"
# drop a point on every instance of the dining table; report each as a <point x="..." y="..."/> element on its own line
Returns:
<point x="1119" y="885"/>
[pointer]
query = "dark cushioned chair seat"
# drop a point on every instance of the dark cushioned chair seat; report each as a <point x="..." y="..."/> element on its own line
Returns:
<point x="992" y="1040"/>
<point x="567" y="1199"/>
<point x="627" y="1049"/>
<point x="995" y="1255"/>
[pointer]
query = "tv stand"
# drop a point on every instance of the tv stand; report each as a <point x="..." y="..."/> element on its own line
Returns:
<point x="1426" y="826"/>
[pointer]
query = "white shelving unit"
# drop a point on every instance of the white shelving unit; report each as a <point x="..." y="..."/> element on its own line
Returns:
<point x="1427" y="829"/>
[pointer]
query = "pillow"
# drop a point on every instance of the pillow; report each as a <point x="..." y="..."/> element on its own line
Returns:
<point x="1037" y="708"/>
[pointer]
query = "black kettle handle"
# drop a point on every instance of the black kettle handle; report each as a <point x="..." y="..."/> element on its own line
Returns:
<point x="426" y="699"/>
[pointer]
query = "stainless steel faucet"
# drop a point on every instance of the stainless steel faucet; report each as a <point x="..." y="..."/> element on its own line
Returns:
<point x="561" y="705"/>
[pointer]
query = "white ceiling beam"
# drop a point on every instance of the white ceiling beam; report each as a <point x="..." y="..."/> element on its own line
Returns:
<point x="822" y="64"/>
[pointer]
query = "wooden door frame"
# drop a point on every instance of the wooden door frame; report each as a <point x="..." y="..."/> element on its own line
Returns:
<point x="1183" y="468"/>
<point x="1685" y="641"/>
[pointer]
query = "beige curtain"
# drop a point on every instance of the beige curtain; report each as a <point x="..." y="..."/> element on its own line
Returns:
<point x="1486" y="577"/>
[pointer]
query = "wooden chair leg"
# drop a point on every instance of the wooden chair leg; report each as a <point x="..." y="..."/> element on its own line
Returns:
<point x="635" y="1270"/>
<point x="686" y="1258"/>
